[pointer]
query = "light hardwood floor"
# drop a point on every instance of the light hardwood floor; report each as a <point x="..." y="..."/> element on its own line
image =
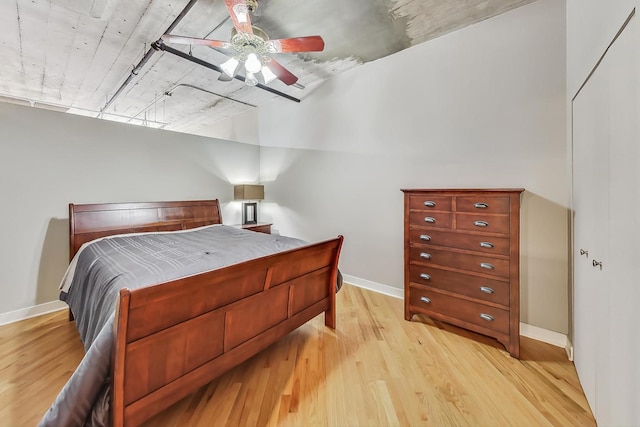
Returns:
<point x="375" y="369"/>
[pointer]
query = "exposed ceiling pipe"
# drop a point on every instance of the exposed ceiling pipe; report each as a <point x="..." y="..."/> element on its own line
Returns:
<point x="170" y="92"/>
<point x="159" y="45"/>
<point x="146" y="57"/>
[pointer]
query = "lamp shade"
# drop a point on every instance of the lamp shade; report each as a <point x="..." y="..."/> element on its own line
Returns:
<point x="248" y="192"/>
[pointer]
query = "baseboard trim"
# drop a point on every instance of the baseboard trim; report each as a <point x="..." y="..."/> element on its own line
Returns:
<point x="374" y="286"/>
<point x="569" y="349"/>
<point x="26" y="313"/>
<point x="529" y="331"/>
<point x="544" y="335"/>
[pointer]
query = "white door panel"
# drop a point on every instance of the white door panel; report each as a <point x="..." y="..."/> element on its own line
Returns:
<point x="606" y="194"/>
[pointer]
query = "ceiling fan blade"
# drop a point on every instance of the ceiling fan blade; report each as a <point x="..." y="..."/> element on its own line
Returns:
<point x="239" y="13"/>
<point x="282" y="73"/>
<point x="296" y="44"/>
<point x="195" y="41"/>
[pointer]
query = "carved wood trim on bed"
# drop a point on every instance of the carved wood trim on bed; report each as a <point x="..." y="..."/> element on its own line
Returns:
<point x="174" y="337"/>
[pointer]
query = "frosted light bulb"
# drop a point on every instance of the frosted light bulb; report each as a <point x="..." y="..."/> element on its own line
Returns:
<point x="253" y="64"/>
<point x="268" y="75"/>
<point x="229" y="67"/>
<point x="250" y="79"/>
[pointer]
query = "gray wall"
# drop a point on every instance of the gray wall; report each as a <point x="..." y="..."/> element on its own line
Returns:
<point x="480" y="107"/>
<point x="48" y="159"/>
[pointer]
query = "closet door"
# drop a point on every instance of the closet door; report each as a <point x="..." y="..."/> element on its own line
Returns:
<point x="622" y="271"/>
<point x="606" y="200"/>
<point x="590" y="205"/>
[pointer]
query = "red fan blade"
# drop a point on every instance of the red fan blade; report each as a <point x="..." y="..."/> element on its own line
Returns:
<point x="297" y="44"/>
<point x="195" y="41"/>
<point x="239" y="13"/>
<point x="282" y="73"/>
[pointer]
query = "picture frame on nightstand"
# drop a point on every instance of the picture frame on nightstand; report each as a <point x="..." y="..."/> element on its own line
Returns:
<point x="249" y="213"/>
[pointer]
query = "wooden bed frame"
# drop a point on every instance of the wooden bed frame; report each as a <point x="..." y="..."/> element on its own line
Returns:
<point x="174" y="337"/>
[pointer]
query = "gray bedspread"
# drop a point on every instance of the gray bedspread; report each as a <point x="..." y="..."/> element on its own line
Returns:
<point x="104" y="266"/>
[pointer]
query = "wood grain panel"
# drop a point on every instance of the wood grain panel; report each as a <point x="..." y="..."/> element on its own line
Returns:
<point x="453" y="239"/>
<point x="155" y="308"/>
<point x="440" y="219"/>
<point x="464" y="312"/>
<point x="307" y="292"/>
<point x="494" y="204"/>
<point x="494" y="223"/>
<point x="442" y="203"/>
<point x="255" y="315"/>
<point x="311" y="260"/>
<point x="464" y="284"/>
<point x="91" y="221"/>
<point x="188" y="345"/>
<point x="462" y="261"/>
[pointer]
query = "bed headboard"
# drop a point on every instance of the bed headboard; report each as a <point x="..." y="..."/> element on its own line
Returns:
<point x="92" y="221"/>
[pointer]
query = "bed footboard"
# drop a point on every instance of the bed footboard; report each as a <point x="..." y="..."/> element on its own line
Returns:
<point x="174" y="337"/>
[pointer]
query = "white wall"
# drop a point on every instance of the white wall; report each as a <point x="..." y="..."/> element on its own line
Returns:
<point x="242" y="127"/>
<point x="480" y="107"/>
<point x="591" y="26"/>
<point x="49" y="159"/>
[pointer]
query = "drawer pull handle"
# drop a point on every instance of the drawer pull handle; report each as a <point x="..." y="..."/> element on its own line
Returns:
<point x="430" y="204"/>
<point x="430" y="220"/>
<point x="484" y="265"/>
<point x="486" y="245"/>
<point x="481" y="205"/>
<point x="481" y="223"/>
<point x="425" y="300"/>
<point x="425" y="237"/>
<point x="425" y="255"/>
<point x="425" y="276"/>
<point x="487" y="317"/>
<point x="486" y="290"/>
<point x="585" y="253"/>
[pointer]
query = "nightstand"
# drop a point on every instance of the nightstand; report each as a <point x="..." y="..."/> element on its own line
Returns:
<point x="261" y="227"/>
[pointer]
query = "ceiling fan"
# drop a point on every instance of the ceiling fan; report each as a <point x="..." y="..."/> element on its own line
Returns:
<point x="253" y="47"/>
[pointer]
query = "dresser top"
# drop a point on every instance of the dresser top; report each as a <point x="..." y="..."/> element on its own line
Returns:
<point x="462" y="190"/>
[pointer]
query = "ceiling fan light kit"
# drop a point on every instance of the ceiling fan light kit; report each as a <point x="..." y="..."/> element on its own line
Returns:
<point x="254" y="47"/>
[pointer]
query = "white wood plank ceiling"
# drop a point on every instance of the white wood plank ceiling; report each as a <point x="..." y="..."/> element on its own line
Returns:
<point x="74" y="55"/>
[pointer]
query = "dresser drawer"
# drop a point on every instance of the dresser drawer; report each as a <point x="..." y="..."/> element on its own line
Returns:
<point x="431" y="219"/>
<point x="473" y="263"/>
<point x="431" y="302"/>
<point x="427" y="202"/>
<point x="484" y="223"/>
<point x="490" y="290"/>
<point x="482" y="204"/>
<point x="453" y="239"/>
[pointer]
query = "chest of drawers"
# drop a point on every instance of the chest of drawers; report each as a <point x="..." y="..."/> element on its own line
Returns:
<point x="462" y="259"/>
